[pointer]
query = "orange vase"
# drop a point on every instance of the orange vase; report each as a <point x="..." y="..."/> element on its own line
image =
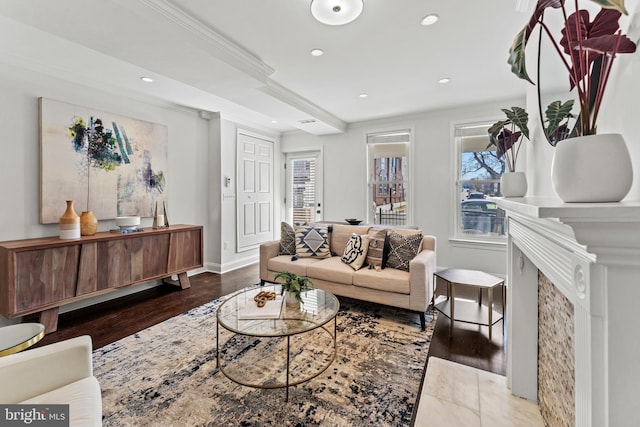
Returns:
<point x="88" y="223"/>
<point x="70" y="223"/>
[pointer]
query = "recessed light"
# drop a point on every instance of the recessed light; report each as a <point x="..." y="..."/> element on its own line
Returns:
<point x="146" y="79"/>
<point x="444" y="80"/>
<point x="274" y="121"/>
<point x="317" y="52"/>
<point x="429" y="19"/>
<point x="363" y="95"/>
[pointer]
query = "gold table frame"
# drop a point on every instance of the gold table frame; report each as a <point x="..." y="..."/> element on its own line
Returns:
<point x="24" y="336"/>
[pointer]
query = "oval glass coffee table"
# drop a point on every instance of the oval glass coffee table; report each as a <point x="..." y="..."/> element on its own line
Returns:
<point x="295" y="345"/>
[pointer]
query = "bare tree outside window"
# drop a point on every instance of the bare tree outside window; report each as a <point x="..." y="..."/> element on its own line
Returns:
<point x="478" y="178"/>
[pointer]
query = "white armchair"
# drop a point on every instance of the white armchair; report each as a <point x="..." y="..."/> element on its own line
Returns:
<point x="59" y="373"/>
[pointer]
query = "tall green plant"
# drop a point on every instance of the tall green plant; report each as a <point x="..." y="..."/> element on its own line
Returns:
<point x="507" y="135"/>
<point x="587" y="49"/>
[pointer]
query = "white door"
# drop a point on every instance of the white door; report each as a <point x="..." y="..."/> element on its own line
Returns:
<point x="304" y="187"/>
<point x="255" y="190"/>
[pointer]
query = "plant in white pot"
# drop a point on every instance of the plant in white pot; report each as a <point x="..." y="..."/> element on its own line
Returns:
<point x="292" y="287"/>
<point x="586" y="167"/>
<point x="507" y="136"/>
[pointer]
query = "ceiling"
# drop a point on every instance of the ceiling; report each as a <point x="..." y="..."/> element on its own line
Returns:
<point x="250" y="59"/>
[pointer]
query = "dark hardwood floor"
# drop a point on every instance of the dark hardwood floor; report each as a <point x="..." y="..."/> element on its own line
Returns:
<point x="112" y="320"/>
<point x="469" y="345"/>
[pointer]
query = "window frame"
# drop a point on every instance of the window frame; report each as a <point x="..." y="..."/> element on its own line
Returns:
<point x="457" y="237"/>
<point x="399" y="135"/>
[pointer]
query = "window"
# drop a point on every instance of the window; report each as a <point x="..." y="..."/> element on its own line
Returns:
<point x="303" y="188"/>
<point x="388" y="171"/>
<point x="478" y="177"/>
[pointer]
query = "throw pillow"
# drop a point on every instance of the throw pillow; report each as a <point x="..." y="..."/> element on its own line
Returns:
<point x="312" y="241"/>
<point x="287" y="240"/>
<point x="355" y="251"/>
<point x="402" y="249"/>
<point x="376" y="248"/>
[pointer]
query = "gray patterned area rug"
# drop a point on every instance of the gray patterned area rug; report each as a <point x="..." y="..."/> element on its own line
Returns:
<point x="166" y="375"/>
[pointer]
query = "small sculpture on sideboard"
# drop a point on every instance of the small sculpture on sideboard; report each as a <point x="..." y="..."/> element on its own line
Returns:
<point x="160" y="220"/>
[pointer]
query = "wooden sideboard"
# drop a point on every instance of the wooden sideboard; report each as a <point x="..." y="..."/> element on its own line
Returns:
<point x="40" y="275"/>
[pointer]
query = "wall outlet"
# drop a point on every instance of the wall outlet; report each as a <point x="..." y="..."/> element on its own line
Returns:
<point x="225" y="245"/>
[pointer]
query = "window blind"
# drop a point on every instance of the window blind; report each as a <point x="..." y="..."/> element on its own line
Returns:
<point x="301" y="177"/>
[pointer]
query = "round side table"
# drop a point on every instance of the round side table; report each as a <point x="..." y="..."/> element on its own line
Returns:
<point x="15" y="338"/>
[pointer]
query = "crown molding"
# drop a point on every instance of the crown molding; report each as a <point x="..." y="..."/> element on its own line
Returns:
<point x="224" y="48"/>
<point x="245" y="61"/>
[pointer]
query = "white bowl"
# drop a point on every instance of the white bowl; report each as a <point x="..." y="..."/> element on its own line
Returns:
<point x="128" y="221"/>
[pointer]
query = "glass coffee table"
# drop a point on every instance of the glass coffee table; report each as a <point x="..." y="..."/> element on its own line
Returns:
<point x="294" y="347"/>
<point x="15" y="338"/>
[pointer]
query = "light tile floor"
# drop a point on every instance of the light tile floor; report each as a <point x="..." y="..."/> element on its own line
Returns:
<point x="458" y="395"/>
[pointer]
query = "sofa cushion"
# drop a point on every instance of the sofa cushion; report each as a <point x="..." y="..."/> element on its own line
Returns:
<point x="332" y="270"/>
<point x="84" y="399"/>
<point x="312" y="241"/>
<point x="284" y="263"/>
<point x="402" y="249"/>
<point x="389" y="279"/>
<point x="376" y="246"/>
<point x="341" y="233"/>
<point x="355" y="251"/>
<point x="287" y="240"/>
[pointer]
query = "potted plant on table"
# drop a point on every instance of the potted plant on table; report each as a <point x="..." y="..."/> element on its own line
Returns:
<point x="293" y="284"/>
<point x="507" y="136"/>
<point x="587" y="49"/>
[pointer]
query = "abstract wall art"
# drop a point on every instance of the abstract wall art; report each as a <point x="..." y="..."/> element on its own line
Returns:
<point x="109" y="164"/>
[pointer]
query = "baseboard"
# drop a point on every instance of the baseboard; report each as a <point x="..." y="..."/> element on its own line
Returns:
<point x="230" y="266"/>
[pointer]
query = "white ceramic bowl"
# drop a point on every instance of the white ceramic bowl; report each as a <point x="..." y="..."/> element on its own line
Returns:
<point x="128" y="221"/>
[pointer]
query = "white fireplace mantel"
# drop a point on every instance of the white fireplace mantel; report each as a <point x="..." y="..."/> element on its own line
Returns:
<point x="591" y="252"/>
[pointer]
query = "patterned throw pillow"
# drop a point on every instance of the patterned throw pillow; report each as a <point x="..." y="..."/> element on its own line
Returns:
<point x="376" y="248"/>
<point x="355" y="251"/>
<point x="287" y="240"/>
<point x="312" y="241"/>
<point x="402" y="249"/>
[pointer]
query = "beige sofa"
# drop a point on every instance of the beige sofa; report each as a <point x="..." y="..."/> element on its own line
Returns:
<point x="59" y="373"/>
<point x="412" y="290"/>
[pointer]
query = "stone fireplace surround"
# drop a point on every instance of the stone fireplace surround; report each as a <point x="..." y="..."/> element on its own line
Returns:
<point x="591" y="253"/>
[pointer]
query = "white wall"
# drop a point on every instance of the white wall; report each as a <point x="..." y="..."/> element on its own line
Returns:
<point x="433" y="189"/>
<point x="19" y="163"/>
<point x="619" y="110"/>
